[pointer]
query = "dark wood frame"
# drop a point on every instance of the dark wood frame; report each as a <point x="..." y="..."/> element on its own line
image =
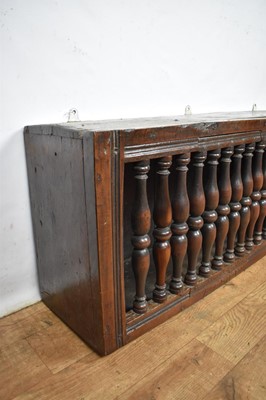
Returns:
<point x="106" y="147"/>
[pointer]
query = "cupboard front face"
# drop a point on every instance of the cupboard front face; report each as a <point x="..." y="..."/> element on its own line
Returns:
<point x="133" y="225"/>
<point x="186" y="218"/>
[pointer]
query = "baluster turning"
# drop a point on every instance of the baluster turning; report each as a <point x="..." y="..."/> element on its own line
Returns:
<point x="180" y="207"/>
<point x="259" y="224"/>
<point x="209" y="215"/>
<point x="256" y="194"/>
<point x="223" y="209"/>
<point x="235" y="206"/>
<point x="141" y="221"/>
<point x="246" y="200"/>
<point x="264" y="173"/>
<point x="195" y="221"/>
<point x="162" y="216"/>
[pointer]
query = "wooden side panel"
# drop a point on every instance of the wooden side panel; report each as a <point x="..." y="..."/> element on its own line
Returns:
<point x="55" y="170"/>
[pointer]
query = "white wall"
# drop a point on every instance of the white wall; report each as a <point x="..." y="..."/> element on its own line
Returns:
<point x="112" y="59"/>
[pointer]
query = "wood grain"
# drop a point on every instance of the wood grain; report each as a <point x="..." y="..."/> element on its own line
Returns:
<point x="221" y="301"/>
<point x="189" y="374"/>
<point x="103" y="198"/>
<point x="77" y="190"/>
<point x="240" y="329"/>
<point x="171" y="356"/>
<point x="24" y="323"/>
<point x="115" y="373"/>
<point x="55" y="169"/>
<point x="20" y="369"/>
<point x="50" y="344"/>
<point x="247" y="380"/>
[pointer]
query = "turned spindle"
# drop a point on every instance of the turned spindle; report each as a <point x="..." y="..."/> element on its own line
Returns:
<point x="223" y="209"/>
<point x="235" y="205"/>
<point x="195" y="221"/>
<point x="256" y="194"/>
<point x="209" y="214"/>
<point x="264" y="173"/>
<point x="247" y="180"/>
<point x="140" y="221"/>
<point x="162" y="216"/>
<point x="262" y="215"/>
<point x="180" y="207"/>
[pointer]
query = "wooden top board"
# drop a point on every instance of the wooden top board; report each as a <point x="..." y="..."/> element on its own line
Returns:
<point x="81" y="128"/>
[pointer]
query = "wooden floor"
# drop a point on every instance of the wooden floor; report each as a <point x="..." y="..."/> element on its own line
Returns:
<point x="214" y="350"/>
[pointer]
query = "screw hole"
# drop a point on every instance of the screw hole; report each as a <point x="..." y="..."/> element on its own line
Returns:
<point x="35" y="169"/>
<point x="41" y="222"/>
<point x="55" y="153"/>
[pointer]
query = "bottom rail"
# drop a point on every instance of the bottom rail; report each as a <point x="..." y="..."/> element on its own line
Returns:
<point x="158" y="313"/>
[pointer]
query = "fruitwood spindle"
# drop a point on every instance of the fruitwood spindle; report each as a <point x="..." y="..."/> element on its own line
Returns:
<point x="209" y="215"/>
<point x="162" y="216"/>
<point x="223" y="209"/>
<point x="264" y="172"/>
<point x="235" y="206"/>
<point x="141" y="221"/>
<point x="256" y="195"/>
<point x="259" y="224"/>
<point x="195" y="221"/>
<point x="247" y="180"/>
<point x="180" y="207"/>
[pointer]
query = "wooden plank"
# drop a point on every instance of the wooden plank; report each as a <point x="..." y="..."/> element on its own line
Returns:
<point x="55" y="168"/>
<point x="10" y="331"/>
<point x="240" y="329"/>
<point x="24" y="323"/>
<point x="120" y="370"/>
<point x="50" y="344"/>
<point x="111" y="376"/>
<point x="207" y="122"/>
<point x="146" y="352"/>
<point x="25" y="312"/>
<point x="38" y="321"/>
<point x="227" y="296"/>
<point x="20" y="369"/>
<point x="188" y="374"/>
<point x="247" y="380"/>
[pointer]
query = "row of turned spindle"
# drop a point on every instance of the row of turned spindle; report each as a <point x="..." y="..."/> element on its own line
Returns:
<point x="209" y="207"/>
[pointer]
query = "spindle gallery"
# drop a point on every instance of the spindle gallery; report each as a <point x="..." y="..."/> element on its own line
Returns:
<point x="135" y="220"/>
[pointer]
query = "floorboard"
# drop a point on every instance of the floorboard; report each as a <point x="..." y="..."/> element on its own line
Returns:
<point x="247" y="380"/>
<point x="213" y="350"/>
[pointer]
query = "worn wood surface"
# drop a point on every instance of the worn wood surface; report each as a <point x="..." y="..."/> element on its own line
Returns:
<point x="207" y="121"/>
<point x="176" y="360"/>
<point x="81" y="218"/>
<point x="246" y="380"/>
<point x="104" y="206"/>
<point x="67" y="281"/>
